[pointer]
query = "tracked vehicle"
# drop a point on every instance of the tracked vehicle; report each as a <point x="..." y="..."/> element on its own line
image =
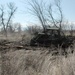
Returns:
<point x="52" y="36"/>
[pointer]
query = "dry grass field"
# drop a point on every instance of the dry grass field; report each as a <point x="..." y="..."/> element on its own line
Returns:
<point x="36" y="61"/>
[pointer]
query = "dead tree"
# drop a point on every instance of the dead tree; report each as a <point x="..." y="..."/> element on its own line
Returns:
<point x="58" y="5"/>
<point x="45" y="14"/>
<point x="55" y="22"/>
<point x="38" y="10"/>
<point x="5" y="22"/>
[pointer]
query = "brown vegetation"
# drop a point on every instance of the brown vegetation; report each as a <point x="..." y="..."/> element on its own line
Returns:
<point x="36" y="61"/>
<point x="16" y="58"/>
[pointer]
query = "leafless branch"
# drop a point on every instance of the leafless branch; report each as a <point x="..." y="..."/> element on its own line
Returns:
<point x="12" y="10"/>
<point x="38" y="11"/>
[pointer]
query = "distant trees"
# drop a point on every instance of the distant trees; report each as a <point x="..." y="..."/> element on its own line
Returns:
<point x="10" y="28"/>
<point x="33" y="29"/>
<point x="17" y="28"/>
<point x="72" y="29"/>
<point x="6" y="17"/>
<point x="45" y="13"/>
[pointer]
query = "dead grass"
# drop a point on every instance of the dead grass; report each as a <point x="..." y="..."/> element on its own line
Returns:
<point x="38" y="62"/>
<point x="24" y="37"/>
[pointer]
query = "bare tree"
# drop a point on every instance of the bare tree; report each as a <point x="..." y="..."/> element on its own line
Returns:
<point x="45" y="14"/>
<point x="50" y="16"/>
<point x="56" y="22"/>
<point x="38" y="11"/>
<point x="58" y="4"/>
<point x="5" y="22"/>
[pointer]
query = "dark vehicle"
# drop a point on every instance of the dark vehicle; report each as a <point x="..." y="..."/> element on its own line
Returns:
<point x="52" y="36"/>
